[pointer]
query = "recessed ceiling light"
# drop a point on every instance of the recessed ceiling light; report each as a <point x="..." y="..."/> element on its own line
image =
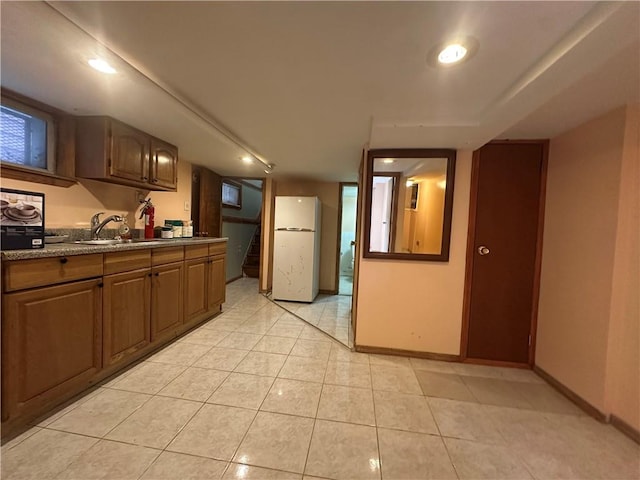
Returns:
<point x="452" y="53"/>
<point x="101" y="65"/>
<point x="247" y="159"/>
<point x="388" y="160"/>
<point x="456" y="50"/>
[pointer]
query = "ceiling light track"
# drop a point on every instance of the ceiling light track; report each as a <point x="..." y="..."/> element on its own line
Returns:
<point x="194" y="110"/>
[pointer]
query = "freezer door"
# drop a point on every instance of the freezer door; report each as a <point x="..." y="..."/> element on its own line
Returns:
<point x="296" y="213"/>
<point x="295" y="272"/>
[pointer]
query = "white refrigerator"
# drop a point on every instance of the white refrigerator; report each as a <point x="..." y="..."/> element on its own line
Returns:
<point x="296" y="249"/>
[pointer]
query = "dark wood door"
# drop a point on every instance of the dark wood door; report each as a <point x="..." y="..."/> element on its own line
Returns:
<point x="51" y="343"/>
<point x="164" y="164"/>
<point x="126" y="315"/>
<point x="166" y="300"/>
<point x="503" y="253"/>
<point x="129" y="153"/>
<point x="206" y="195"/>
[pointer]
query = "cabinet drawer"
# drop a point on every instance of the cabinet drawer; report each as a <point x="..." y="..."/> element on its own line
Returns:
<point x="160" y="256"/>
<point x="38" y="272"/>
<point x="218" y="248"/>
<point x="196" y="251"/>
<point x="117" y="262"/>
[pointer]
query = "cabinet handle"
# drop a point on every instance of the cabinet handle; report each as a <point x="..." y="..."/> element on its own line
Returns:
<point x="157" y="274"/>
<point x="144" y="178"/>
<point x="100" y="285"/>
<point x="64" y="260"/>
<point x="154" y="180"/>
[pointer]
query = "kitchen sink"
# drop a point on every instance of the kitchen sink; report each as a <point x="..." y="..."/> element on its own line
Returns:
<point x="103" y="242"/>
<point x="116" y="241"/>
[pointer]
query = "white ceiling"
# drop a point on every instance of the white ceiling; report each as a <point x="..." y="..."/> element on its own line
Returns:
<point x="306" y="85"/>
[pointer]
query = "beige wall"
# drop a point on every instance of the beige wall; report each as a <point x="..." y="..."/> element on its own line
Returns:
<point x="623" y="372"/>
<point x="418" y="305"/>
<point x="328" y="193"/>
<point x="170" y="205"/>
<point x="73" y="207"/>
<point x="580" y="318"/>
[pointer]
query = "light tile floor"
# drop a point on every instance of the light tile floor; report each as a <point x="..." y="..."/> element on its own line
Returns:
<point x="257" y="394"/>
<point x="330" y="313"/>
<point x="345" y="284"/>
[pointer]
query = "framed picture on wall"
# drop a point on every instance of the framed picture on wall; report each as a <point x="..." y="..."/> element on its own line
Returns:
<point x="231" y="194"/>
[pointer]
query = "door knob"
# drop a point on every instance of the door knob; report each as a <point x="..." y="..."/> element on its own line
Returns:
<point x="482" y="250"/>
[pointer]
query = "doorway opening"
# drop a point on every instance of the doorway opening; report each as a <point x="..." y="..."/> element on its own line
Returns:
<point x="347" y="237"/>
<point x="384" y="206"/>
<point x="241" y="224"/>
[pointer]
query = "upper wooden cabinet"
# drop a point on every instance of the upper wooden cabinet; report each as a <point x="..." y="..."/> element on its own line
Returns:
<point x="163" y="166"/>
<point x="112" y="151"/>
<point x="129" y="158"/>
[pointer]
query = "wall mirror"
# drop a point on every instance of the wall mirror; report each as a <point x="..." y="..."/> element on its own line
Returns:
<point x="409" y="204"/>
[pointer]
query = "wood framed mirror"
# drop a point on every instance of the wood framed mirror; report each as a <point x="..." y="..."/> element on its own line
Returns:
<point x="409" y="202"/>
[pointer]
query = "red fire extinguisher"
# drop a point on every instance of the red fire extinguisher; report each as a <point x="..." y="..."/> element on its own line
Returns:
<point x="148" y="212"/>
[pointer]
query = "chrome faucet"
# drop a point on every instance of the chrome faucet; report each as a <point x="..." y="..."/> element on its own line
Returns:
<point x="97" y="225"/>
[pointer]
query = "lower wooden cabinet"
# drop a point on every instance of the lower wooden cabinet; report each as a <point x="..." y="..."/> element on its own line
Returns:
<point x="195" y="289"/>
<point x="167" y="296"/>
<point x="217" y="282"/>
<point x="127" y="314"/>
<point x="59" y="339"/>
<point x="51" y="343"/>
<point x="205" y="285"/>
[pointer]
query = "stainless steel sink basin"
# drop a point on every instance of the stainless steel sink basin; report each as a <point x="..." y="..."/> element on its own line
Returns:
<point x="103" y="242"/>
<point x="116" y="241"/>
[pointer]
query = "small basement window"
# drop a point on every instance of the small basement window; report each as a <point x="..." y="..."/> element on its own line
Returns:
<point x="27" y="137"/>
<point x="231" y="194"/>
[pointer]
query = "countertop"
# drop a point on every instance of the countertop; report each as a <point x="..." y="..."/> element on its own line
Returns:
<point x="67" y="249"/>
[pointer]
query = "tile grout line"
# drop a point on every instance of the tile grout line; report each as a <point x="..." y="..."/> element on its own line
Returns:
<point x="375" y="418"/>
<point x="181" y="429"/>
<point x="253" y="420"/>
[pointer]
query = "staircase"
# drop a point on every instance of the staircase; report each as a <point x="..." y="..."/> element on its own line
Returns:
<point x="251" y="265"/>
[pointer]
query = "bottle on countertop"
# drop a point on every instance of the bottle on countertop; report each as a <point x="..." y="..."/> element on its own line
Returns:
<point x="187" y="228"/>
<point x="124" y="231"/>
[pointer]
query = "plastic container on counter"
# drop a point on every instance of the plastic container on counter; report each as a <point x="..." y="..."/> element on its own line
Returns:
<point x="167" y="232"/>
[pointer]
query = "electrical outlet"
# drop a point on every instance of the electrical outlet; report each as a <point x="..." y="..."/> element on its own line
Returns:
<point x="140" y="197"/>
<point x="187" y="207"/>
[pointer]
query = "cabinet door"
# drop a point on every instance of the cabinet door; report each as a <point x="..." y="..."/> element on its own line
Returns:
<point x="129" y="153"/>
<point x="127" y="314"/>
<point x="164" y="164"/>
<point x="51" y="344"/>
<point x="217" y="282"/>
<point x="195" y="289"/>
<point x="166" y="300"/>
